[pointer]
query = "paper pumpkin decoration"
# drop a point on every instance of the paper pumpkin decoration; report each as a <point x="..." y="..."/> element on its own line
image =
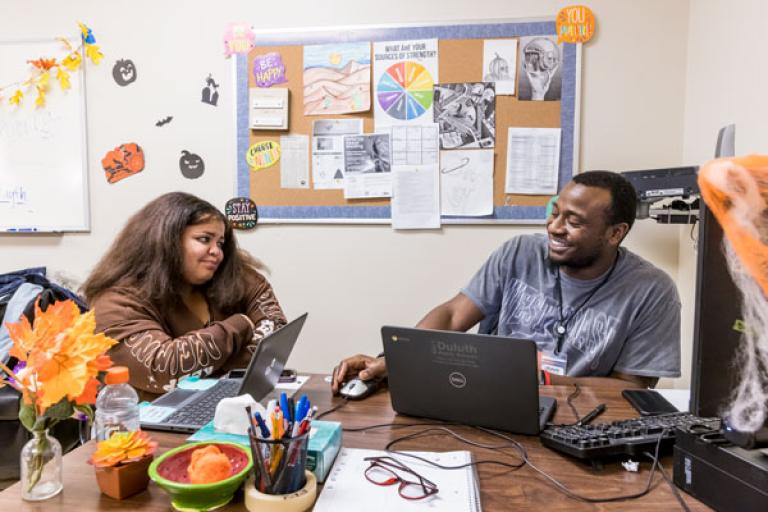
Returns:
<point x="191" y="165"/>
<point x="123" y="161"/>
<point x="124" y="72"/>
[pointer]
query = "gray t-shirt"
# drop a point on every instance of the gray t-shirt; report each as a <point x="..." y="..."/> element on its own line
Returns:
<point x="630" y="325"/>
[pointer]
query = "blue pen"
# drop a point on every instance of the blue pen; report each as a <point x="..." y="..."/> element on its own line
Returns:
<point x="284" y="406"/>
<point x="297" y="412"/>
<point x="287" y="412"/>
<point x="262" y="426"/>
<point x="302" y="408"/>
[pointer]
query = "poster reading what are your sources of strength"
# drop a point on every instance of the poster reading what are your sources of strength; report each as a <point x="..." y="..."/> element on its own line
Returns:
<point x="405" y="73"/>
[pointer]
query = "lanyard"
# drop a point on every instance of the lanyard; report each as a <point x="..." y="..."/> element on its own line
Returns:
<point x="561" y="327"/>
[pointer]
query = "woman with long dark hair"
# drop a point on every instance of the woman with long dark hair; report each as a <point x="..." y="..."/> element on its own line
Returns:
<point x="179" y="295"/>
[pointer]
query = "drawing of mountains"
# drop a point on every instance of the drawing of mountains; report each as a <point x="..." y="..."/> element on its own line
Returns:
<point x="337" y="91"/>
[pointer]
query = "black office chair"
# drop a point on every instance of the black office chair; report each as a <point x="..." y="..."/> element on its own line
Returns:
<point x="13" y="434"/>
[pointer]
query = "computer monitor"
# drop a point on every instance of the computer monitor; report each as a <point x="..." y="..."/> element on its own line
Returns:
<point x="717" y="319"/>
<point x="716" y="322"/>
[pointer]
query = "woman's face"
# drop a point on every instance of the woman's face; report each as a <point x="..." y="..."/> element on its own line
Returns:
<point x="202" y="251"/>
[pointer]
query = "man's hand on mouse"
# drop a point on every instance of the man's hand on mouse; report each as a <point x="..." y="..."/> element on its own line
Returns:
<point x="362" y="366"/>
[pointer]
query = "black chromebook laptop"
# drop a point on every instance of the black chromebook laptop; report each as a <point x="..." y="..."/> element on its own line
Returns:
<point x="187" y="410"/>
<point x="475" y="379"/>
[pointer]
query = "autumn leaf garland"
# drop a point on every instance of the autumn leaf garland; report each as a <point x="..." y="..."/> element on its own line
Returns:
<point x="43" y="67"/>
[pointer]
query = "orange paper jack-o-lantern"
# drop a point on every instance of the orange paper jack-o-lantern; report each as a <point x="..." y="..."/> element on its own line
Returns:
<point x="123" y="161"/>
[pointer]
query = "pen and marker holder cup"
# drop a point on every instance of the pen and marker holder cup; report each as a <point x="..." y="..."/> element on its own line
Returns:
<point x="298" y="501"/>
<point x="279" y="464"/>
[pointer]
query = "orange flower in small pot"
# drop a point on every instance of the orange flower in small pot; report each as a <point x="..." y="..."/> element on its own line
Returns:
<point x="121" y="463"/>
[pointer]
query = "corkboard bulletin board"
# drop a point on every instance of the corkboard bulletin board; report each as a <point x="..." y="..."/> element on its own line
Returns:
<point x="460" y="60"/>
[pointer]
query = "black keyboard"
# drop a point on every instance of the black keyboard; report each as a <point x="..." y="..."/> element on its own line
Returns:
<point x="630" y="437"/>
<point x="203" y="409"/>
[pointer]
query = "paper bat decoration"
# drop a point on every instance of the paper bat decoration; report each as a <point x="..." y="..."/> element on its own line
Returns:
<point x="164" y="121"/>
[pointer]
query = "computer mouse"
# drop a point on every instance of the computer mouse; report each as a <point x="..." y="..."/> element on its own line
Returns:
<point x="356" y="389"/>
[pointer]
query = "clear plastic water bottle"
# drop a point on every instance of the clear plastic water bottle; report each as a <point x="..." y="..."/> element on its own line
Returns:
<point x="117" y="406"/>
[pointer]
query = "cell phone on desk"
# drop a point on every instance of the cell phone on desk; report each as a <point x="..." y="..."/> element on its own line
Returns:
<point x="648" y="402"/>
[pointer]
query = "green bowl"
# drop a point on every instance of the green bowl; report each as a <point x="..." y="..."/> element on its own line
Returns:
<point x="169" y="471"/>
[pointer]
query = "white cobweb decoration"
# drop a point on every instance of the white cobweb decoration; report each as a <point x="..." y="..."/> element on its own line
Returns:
<point x="747" y="410"/>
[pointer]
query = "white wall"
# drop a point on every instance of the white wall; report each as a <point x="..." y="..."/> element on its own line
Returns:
<point x="726" y="80"/>
<point x="352" y="279"/>
<point x="726" y="83"/>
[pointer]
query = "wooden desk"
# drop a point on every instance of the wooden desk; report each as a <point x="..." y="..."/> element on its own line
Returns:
<point x="500" y="489"/>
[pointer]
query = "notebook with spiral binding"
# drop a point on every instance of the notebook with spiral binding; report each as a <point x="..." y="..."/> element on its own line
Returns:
<point x="346" y="487"/>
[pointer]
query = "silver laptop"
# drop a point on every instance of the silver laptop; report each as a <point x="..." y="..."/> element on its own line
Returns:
<point x="187" y="410"/>
<point x="474" y="379"/>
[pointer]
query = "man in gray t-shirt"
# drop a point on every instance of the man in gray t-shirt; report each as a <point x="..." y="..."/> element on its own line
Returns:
<point x="595" y="310"/>
<point x="630" y="325"/>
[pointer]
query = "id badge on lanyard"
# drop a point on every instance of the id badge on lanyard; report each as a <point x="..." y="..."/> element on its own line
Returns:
<point x="556" y="364"/>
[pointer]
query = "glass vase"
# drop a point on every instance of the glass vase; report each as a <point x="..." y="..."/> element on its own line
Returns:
<point x="41" y="467"/>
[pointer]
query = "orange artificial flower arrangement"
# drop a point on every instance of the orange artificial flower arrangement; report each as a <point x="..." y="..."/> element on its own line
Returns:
<point x="60" y="360"/>
<point x="122" y="448"/>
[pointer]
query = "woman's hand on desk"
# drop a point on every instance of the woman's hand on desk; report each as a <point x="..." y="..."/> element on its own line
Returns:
<point x="364" y="367"/>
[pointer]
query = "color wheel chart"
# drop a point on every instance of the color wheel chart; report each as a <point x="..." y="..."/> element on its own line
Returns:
<point x="405" y="90"/>
<point x="402" y="93"/>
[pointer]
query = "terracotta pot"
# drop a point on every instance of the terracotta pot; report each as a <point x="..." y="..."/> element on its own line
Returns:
<point x="122" y="481"/>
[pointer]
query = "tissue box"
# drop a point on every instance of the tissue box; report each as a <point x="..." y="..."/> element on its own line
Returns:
<point x="324" y="444"/>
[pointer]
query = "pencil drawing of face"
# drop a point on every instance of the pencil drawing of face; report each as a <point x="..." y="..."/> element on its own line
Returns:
<point x="124" y="72"/>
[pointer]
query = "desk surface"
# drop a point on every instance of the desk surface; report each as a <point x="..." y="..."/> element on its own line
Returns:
<point x="501" y="489"/>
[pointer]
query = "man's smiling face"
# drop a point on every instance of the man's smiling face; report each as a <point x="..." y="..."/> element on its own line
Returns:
<point x="578" y="229"/>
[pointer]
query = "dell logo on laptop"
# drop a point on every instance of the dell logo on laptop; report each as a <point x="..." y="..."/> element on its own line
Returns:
<point x="457" y="380"/>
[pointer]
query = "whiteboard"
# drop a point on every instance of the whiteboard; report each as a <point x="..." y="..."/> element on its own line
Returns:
<point x="43" y="152"/>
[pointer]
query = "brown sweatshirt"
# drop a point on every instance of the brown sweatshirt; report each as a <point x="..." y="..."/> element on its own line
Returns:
<point x="160" y="349"/>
